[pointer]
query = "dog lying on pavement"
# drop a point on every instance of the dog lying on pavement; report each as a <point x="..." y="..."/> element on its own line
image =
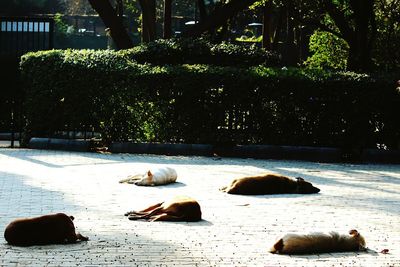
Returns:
<point x="180" y="208"/>
<point x="269" y="184"/>
<point x="160" y="176"/>
<point x="44" y="230"/>
<point x="315" y="243"/>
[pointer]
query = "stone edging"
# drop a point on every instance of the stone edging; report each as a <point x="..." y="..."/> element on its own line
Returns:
<point x="319" y="154"/>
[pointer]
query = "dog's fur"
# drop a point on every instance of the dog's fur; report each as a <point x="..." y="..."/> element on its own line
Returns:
<point x="319" y="243"/>
<point x="181" y="208"/>
<point x="48" y="229"/>
<point x="269" y="184"/>
<point x="161" y="176"/>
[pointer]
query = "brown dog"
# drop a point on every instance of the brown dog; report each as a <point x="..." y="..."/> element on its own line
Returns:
<point x="179" y="208"/>
<point x="48" y="229"/>
<point x="269" y="184"/>
<point x="319" y="243"/>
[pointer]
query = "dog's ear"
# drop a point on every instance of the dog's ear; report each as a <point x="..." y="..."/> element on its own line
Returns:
<point x="299" y="179"/>
<point x="72" y="218"/>
<point x="149" y="173"/>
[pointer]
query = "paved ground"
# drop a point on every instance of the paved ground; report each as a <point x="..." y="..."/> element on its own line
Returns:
<point x="236" y="230"/>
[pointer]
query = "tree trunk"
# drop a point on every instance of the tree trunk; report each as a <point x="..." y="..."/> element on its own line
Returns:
<point x="148" y="20"/>
<point x="278" y="29"/>
<point x="114" y="23"/>
<point x="218" y="18"/>
<point x="361" y="36"/>
<point x="202" y="10"/>
<point x="167" y="19"/>
<point x="120" y="8"/>
<point x="361" y="43"/>
<point x="266" y="30"/>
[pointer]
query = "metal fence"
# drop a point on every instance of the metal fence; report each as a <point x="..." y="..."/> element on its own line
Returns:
<point x="18" y="35"/>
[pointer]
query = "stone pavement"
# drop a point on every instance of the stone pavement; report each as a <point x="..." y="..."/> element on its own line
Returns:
<point x="236" y="230"/>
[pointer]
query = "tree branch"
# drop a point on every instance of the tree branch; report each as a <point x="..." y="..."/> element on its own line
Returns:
<point x="219" y="17"/>
<point x="340" y="20"/>
<point x="111" y="20"/>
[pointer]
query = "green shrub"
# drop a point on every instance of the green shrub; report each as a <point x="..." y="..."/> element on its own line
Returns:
<point x="125" y="100"/>
<point x="329" y="52"/>
<point x="200" y="51"/>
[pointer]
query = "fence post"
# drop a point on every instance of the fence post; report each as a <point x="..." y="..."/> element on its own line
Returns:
<point x="12" y="124"/>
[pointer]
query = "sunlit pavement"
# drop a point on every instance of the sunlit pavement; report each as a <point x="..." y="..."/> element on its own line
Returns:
<point x="236" y="230"/>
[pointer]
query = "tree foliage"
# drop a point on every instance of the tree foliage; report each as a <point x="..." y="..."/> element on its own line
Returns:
<point x="387" y="48"/>
<point x="328" y="51"/>
<point x="24" y="7"/>
<point x="79" y="7"/>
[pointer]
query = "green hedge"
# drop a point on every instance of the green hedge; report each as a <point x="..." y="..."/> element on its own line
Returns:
<point x="125" y="100"/>
<point x="201" y="51"/>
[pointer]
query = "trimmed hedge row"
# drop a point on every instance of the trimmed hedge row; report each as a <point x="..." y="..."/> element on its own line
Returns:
<point x="125" y="100"/>
<point x="201" y="51"/>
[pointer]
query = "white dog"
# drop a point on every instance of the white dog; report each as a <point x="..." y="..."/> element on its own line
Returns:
<point x="160" y="176"/>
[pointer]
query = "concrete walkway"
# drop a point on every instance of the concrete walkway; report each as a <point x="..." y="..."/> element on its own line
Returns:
<point x="236" y="230"/>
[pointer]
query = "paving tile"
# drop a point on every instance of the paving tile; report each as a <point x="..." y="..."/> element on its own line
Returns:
<point x="236" y="230"/>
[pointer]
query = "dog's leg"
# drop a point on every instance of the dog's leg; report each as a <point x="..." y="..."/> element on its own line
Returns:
<point x="145" y="211"/>
<point x="144" y="215"/>
<point x="81" y="237"/>
<point x="73" y="238"/>
<point x="131" y="179"/>
<point x="152" y="207"/>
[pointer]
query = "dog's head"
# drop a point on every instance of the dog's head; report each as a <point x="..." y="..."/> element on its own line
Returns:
<point x="304" y="187"/>
<point x="360" y="239"/>
<point x="147" y="179"/>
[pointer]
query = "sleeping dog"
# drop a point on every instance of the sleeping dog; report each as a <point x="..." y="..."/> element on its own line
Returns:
<point x="319" y="243"/>
<point x="160" y="176"/>
<point x="269" y="184"/>
<point x="48" y="229"/>
<point x="179" y="208"/>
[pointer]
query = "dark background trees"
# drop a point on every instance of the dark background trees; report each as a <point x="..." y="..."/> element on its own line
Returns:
<point x="24" y="7"/>
<point x="365" y="32"/>
<point x="334" y="34"/>
<point x="364" y="26"/>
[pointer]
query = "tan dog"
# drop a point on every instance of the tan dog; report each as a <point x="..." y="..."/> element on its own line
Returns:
<point x="319" y="243"/>
<point x="179" y="208"/>
<point x="48" y="229"/>
<point x="269" y="184"/>
<point x="160" y="176"/>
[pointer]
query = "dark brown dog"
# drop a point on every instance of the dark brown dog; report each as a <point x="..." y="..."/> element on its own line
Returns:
<point x="48" y="229"/>
<point x="319" y="243"/>
<point x="180" y="208"/>
<point x="269" y="184"/>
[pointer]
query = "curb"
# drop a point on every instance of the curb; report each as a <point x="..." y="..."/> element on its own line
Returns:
<point x="307" y="153"/>
<point x="59" y="144"/>
<point x="165" y="149"/>
<point x="8" y="136"/>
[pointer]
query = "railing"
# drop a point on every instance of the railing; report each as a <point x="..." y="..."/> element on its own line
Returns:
<point x="18" y="35"/>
